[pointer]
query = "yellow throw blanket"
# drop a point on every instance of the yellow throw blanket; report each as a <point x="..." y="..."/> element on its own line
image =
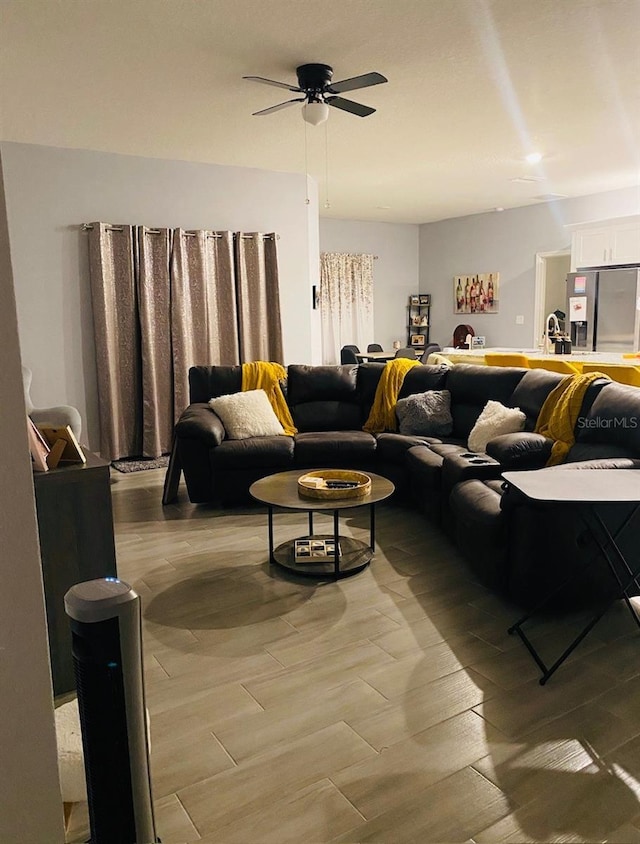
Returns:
<point x="383" y="410"/>
<point x="262" y="375"/>
<point x="559" y="414"/>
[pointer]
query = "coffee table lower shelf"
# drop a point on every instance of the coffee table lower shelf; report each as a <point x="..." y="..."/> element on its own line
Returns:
<point x="355" y="555"/>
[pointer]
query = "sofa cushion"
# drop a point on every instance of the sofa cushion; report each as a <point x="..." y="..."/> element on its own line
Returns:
<point x="613" y="418"/>
<point x="330" y="449"/>
<point x="531" y="393"/>
<point x="206" y="382"/>
<point x="494" y="420"/>
<point x="472" y="386"/>
<point x="247" y="414"/>
<point x="266" y="452"/>
<point x="391" y="447"/>
<point x="419" y="379"/>
<point x="324" y="398"/>
<point x="427" y="414"/>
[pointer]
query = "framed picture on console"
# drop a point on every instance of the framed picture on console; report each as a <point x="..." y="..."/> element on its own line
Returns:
<point x="63" y="441"/>
<point x="38" y="447"/>
<point x="417" y="339"/>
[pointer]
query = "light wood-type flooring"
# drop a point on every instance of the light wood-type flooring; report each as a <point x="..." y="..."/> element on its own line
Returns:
<point x="388" y="707"/>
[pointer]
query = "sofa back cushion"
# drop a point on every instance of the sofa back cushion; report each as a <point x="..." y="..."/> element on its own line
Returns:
<point x="531" y="392"/>
<point x="613" y="419"/>
<point x="209" y="382"/>
<point x="324" y="398"/>
<point x="419" y="379"/>
<point x="472" y="387"/>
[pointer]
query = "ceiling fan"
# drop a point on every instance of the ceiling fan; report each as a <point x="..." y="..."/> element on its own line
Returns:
<point x="314" y="81"/>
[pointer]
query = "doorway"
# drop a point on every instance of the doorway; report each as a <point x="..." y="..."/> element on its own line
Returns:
<point x="550" y="288"/>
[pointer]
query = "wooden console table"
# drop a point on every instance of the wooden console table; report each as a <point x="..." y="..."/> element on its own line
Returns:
<point x="75" y="523"/>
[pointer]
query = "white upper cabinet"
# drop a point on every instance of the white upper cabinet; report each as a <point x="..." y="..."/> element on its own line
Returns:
<point x="606" y="243"/>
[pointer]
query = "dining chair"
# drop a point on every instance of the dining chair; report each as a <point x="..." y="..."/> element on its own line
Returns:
<point x="375" y="347"/>
<point x="348" y="355"/>
<point x="429" y="349"/>
<point x="406" y="353"/>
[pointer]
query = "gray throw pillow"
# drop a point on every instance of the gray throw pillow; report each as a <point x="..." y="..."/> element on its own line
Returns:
<point x="426" y="414"/>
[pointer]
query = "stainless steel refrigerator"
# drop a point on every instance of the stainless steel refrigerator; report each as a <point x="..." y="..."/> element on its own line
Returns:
<point x="603" y="309"/>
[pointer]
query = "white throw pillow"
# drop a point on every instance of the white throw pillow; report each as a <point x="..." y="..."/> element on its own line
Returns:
<point x="247" y="414"/>
<point x="494" y="420"/>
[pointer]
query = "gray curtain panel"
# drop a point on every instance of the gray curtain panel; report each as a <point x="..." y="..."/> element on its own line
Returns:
<point x="154" y="302"/>
<point x="117" y="336"/>
<point x="164" y="301"/>
<point x="204" y="319"/>
<point x="259" y="323"/>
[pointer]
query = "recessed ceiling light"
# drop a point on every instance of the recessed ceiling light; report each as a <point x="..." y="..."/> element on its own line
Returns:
<point x="533" y="157"/>
<point x="383" y="207"/>
<point x="527" y="179"/>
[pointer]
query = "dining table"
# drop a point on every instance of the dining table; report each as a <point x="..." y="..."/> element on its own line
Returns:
<point x="373" y="356"/>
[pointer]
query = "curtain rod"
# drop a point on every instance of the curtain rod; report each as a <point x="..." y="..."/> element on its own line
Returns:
<point x="88" y="227"/>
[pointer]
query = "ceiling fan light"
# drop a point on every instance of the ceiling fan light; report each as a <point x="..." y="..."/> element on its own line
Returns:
<point x="315" y="113"/>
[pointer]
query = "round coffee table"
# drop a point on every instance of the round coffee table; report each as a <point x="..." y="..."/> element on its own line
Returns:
<point x="349" y="555"/>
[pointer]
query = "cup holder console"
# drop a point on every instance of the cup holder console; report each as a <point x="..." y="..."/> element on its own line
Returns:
<point x="477" y="458"/>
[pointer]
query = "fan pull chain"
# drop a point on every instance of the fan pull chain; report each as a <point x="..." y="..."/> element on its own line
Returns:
<point x="307" y="201"/>
<point x="327" y="204"/>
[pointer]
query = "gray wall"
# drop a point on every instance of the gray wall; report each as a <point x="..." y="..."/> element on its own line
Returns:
<point x="51" y="191"/>
<point x="507" y="243"/>
<point x="395" y="273"/>
<point x="30" y="801"/>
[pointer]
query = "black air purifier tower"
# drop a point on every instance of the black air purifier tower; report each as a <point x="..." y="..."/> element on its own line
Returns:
<point x="107" y="655"/>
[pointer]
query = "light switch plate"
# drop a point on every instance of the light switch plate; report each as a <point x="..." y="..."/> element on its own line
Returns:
<point x="520" y="319"/>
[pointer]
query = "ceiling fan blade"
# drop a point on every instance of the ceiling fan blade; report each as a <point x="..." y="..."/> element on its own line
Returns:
<point x="364" y="81"/>
<point x="277" y="107"/>
<point x="272" y="82"/>
<point x="350" y="106"/>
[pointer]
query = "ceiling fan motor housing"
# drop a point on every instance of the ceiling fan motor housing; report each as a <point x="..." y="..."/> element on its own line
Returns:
<point x="314" y="78"/>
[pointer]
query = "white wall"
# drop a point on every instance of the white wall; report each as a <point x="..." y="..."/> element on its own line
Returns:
<point x="30" y="801"/>
<point x="395" y="273"/>
<point x="51" y="192"/>
<point x="507" y="243"/>
<point x="555" y="294"/>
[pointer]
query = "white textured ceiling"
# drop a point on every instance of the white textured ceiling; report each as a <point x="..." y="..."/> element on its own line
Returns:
<point x="473" y="86"/>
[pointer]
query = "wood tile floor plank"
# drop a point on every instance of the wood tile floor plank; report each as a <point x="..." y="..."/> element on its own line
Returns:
<point x="390" y="707"/>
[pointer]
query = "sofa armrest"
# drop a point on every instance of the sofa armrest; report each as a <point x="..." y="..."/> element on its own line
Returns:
<point x="200" y="422"/>
<point x="520" y="451"/>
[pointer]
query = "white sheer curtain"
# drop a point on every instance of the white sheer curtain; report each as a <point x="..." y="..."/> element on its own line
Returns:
<point x="346" y="302"/>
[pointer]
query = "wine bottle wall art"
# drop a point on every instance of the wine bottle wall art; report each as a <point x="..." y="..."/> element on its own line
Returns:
<point x="476" y="294"/>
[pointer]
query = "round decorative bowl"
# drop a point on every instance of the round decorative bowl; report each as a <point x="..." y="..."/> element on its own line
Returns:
<point x="314" y="484"/>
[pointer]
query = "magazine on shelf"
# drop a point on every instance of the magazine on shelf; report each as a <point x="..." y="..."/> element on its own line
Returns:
<point x="314" y="551"/>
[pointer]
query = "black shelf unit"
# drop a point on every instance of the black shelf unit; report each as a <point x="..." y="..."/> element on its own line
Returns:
<point x="418" y="320"/>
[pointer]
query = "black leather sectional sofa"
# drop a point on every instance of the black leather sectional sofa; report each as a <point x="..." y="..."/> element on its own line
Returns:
<point x="512" y="546"/>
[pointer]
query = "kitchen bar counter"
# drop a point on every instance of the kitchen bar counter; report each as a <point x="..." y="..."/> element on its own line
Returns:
<point x="476" y="356"/>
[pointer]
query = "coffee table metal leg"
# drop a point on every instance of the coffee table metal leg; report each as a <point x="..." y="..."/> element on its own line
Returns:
<point x="270" y="512"/>
<point x="372" y="527"/>
<point x="336" y="548"/>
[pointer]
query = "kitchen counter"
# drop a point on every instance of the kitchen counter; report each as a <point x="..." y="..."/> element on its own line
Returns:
<point x="476" y="356"/>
